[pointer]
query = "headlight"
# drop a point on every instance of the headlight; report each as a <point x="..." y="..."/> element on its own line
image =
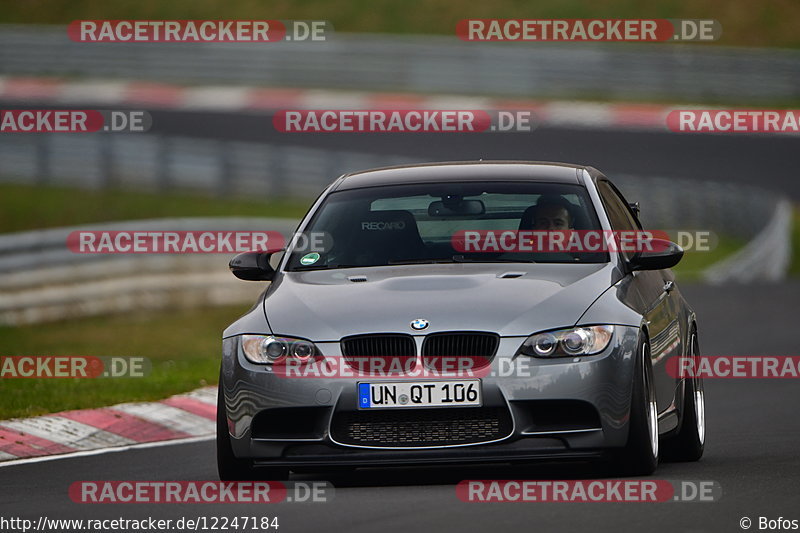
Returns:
<point x="585" y="340"/>
<point x="269" y="349"/>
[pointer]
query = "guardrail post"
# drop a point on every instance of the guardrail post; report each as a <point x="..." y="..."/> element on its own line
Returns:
<point x="276" y="171"/>
<point x="106" y="161"/>
<point x="43" y="156"/>
<point x="162" y="163"/>
<point x="225" y="176"/>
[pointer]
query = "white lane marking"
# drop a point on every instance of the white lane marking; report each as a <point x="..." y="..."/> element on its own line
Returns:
<point x="461" y="103"/>
<point x="93" y="91"/>
<point x="579" y="113"/>
<point x="206" y="395"/>
<point x="169" y="416"/>
<point x="322" y="99"/>
<point x="67" y="432"/>
<point x="6" y="456"/>
<point x="101" y="451"/>
<point x="215" y="97"/>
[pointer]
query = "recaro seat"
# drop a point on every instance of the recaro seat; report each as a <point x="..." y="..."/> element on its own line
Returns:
<point x="383" y="236"/>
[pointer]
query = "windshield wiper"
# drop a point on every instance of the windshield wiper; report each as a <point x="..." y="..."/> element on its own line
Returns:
<point x="456" y="259"/>
<point x="420" y="261"/>
<point x="462" y="259"/>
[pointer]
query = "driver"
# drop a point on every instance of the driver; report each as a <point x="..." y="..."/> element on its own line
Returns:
<point x="552" y="213"/>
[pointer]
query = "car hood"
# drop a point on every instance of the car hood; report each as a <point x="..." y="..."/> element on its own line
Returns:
<point x="509" y="299"/>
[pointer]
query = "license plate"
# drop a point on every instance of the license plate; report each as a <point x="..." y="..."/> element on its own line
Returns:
<point x="387" y="395"/>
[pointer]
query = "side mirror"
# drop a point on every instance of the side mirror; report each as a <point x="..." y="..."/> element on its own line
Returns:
<point x="660" y="254"/>
<point x="252" y="266"/>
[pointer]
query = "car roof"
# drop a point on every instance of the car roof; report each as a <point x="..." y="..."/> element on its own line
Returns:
<point x="460" y="171"/>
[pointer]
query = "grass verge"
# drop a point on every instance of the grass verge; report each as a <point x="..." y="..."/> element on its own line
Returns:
<point x="183" y="348"/>
<point x="794" y="266"/>
<point x="695" y="262"/>
<point x="27" y="207"/>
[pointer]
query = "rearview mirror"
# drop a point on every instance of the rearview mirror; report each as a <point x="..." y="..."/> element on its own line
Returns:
<point x="252" y="266"/>
<point x="661" y="254"/>
<point x="456" y="208"/>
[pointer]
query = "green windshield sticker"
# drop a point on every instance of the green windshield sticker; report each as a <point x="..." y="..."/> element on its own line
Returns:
<point x="309" y="259"/>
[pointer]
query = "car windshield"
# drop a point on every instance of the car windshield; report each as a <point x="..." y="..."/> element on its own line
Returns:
<point x="428" y="223"/>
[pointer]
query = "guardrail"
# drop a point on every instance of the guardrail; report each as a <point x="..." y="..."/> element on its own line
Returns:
<point x="42" y="280"/>
<point x="766" y="256"/>
<point x="180" y="163"/>
<point x="427" y="64"/>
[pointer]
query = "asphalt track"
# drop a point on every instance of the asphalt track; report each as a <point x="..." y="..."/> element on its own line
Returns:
<point x="753" y="425"/>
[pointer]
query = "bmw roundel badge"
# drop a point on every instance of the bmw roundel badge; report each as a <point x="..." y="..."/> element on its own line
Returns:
<point x="420" y="324"/>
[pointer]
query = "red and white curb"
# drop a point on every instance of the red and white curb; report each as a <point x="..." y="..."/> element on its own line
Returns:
<point x="53" y="91"/>
<point x="184" y="416"/>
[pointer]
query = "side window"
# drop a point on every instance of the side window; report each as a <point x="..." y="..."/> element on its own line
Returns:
<point x="617" y="209"/>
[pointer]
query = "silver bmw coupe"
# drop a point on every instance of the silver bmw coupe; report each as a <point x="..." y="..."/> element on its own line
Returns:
<point x="437" y="319"/>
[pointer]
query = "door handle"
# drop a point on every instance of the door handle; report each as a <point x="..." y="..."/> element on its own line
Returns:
<point x="668" y="286"/>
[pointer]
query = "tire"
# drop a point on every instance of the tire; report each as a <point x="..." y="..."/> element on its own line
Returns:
<point x="688" y="444"/>
<point x="230" y="467"/>
<point x="639" y="457"/>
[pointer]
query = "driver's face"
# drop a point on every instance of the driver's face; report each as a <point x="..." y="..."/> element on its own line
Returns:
<point x="551" y="217"/>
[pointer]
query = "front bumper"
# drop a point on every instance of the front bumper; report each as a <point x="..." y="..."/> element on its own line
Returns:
<point x="559" y="408"/>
